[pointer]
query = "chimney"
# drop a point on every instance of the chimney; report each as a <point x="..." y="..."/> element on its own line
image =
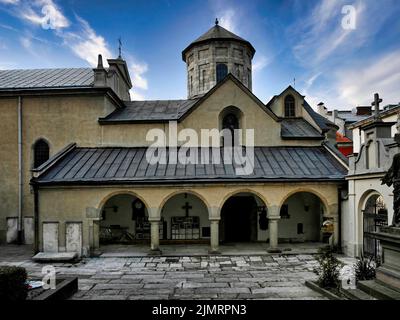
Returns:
<point x="100" y="74"/>
<point x="321" y="109"/>
<point x="364" y="110"/>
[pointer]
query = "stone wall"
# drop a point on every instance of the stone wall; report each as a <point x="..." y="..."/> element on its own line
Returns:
<point x="201" y="63"/>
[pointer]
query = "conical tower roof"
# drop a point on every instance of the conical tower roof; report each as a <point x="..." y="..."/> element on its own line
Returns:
<point x="217" y="33"/>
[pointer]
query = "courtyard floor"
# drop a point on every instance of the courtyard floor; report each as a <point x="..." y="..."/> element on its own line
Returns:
<point x="278" y="276"/>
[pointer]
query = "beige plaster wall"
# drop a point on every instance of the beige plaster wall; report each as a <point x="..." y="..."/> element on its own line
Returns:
<point x="8" y="162"/>
<point x="72" y="204"/>
<point x="60" y="120"/>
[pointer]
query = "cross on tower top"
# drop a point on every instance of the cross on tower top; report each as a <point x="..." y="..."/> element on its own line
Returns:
<point x="376" y="103"/>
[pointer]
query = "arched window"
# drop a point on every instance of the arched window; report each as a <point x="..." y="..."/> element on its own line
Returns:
<point x="230" y="122"/>
<point x="222" y="71"/>
<point x="40" y="153"/>
<point x="290" y="109"/>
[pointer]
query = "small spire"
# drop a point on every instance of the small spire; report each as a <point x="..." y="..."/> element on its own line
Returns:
<point x="119" y="48"/>
<point x="99" y="62"/>
<point x="216" y="21"/>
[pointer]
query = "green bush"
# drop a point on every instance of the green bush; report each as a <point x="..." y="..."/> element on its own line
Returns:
<point x="13" y="283"/>
<point x="365" y="268"/>
<point x="328" y="269"/>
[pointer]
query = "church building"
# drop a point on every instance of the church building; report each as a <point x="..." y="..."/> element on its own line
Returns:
<point x="76" y="176"/>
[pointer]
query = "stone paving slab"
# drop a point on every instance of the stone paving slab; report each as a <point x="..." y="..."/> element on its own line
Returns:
<point x="278" y="276"/>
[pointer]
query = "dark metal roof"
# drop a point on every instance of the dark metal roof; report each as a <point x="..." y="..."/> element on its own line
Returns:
<point x="321" y="121"/>
<point x="129" y="165"/>
<point x="150" y="110"/>
<point x="46" y="78"/>
<point x="217" y="33"/>
<point x="298" y="129"/>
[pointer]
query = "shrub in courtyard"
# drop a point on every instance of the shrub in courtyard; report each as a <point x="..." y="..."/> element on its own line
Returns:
<point x="328" y="269"/>
<point x="13" y="283"/>
<point x="365" y="268"/>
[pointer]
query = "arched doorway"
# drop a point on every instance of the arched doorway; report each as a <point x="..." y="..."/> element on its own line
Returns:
<point x="243" y="219"/>
<point x="124" y="219"/>
<point x="302" y="219"/>
<point x="374" y="214"/>
<point x="185" y="219"/>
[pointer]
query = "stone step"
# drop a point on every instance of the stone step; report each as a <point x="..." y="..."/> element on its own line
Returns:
<point x="357" y="294"/>
<point x="55" y="257"/>
<point x="378" y="290"/>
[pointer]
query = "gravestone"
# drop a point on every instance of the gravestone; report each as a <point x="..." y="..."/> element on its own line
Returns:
<point x="29" y="230"/>
<point x="12" y="229"/>
<point x="50" y="236"/>
<point x="73" y="237"/>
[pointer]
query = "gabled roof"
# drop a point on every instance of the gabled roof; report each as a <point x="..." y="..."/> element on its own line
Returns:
<point x="298" y="128"/>
<point x="168" y="110"/>
<point x="102" y="166"/>
<point x="323" y="123"/>
<point x="46" y="78"/>
<point x="217" y="33"/>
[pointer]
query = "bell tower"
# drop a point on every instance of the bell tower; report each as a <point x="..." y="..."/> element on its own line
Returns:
<point x="212" y="56"/>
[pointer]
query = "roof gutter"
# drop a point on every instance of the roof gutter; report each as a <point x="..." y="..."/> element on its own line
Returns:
<point x="20" y="181"/>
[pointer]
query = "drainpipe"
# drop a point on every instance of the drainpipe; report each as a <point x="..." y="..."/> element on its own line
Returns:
<point x="20" y="240"/>
<point x="36" y="216"/>
<point x="340" y="219"/>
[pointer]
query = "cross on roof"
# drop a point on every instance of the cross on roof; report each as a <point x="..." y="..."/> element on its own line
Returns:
<point x="376" y="103"/>
<point x="187" y="207"/>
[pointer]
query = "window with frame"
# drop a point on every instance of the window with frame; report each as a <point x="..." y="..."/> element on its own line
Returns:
<point x="230" y="122"/>
<point x="222" y="71"/>
<point x="290" y="108"/>
<point x="41" y="153"/>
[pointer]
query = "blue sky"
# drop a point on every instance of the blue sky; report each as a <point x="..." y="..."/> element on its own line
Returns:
<point x="302" y="39"/>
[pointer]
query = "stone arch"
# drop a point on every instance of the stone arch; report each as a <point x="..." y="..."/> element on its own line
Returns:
<point x="243" y="216"/>
<point x="185" y="215"/>
<point x="177" y="192"/>
<point x="124" y="218"/>
<point x="303" y="213"/>
<point x="360" y="207"/>
<point x="323" y="200"/>
<point x="242" y="190"/>
<point x="234" y="110"/>
<point x="121" y="192"/>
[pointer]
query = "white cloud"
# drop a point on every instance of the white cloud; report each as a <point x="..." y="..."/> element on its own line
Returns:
<point x="227" y="19"/>
<point x="9" y="1"/>
<point x="26" y="42"/>
<point x="382" y="75"/>
<point x="137" y="73"/>
<point x="85" y="43"/>
<point x="136" y="95"/>
<point x="260" y="62"/>
<point x="44" y="13"/>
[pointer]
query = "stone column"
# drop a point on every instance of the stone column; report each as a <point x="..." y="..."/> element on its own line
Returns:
<point x="273" y="218"/>
<point x="155" y="237"/>
<point x="214" y="241"/>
